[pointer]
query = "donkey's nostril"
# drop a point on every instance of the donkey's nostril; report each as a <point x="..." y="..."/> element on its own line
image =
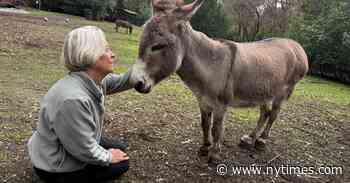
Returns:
<point x="139" y="86"/>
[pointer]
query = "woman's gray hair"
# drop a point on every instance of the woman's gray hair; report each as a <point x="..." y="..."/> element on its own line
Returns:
<point x="82" y="48"/>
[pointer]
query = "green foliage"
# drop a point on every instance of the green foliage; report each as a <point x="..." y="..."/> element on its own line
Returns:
<point x="325" y="35"/>
<point x="324" y="32"/>
<point x="211" y="19"/>
<point x="143" y="16"/>
<point x="100" y="9"/>
<point x="91" y="9"/>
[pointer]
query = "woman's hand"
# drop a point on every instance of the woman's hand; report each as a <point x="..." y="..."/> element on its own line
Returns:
<point x="118" y="155"/>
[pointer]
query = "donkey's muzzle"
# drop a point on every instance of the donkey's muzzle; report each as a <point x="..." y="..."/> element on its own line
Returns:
<point x="141" y="87"/>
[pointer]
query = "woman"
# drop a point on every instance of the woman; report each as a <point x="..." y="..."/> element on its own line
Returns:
<point x="66" y="147"/>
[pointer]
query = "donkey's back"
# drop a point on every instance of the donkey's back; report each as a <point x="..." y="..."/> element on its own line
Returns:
<point x="267" y="69"/>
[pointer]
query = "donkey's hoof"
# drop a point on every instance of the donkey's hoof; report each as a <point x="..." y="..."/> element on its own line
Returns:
<point x="204" y="151"/>
<point x="260" y="143"/>
<point x="214" y="158"/>
<point x="246" y="142"/>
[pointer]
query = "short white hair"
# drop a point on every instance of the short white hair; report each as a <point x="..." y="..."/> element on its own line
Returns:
<point x="82" y="48"/>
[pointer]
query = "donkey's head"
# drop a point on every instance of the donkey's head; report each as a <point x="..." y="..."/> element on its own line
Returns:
<point x="161" y="48"/>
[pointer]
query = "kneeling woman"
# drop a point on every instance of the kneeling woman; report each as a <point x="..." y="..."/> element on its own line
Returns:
<point x="67" y="145"/>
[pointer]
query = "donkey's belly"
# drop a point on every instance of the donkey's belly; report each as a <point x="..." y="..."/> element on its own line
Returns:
<point x="239" y="103"/>
<point x="254" y="94"/>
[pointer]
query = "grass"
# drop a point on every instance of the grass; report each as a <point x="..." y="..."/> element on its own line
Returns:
<point x="39" y="13"/>
<point x="124" y="45"/>
<point x="314" y="88"/>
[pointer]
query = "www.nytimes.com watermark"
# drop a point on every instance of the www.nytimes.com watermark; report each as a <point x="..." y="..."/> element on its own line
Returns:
<point x="228" y="170"/>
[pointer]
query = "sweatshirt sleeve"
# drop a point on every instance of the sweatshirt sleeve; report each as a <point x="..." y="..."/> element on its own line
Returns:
<point x="75" y="127"/>
<point x="118" y="82"/>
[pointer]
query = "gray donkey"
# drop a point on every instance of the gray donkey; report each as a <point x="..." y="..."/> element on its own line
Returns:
<point x="220" y="73"/>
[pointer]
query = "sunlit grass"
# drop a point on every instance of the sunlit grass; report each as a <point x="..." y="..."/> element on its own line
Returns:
<point x="314" y="88"/>
<point x="124" y="45"/>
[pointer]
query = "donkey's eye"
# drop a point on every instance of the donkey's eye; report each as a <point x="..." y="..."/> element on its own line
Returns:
<point x="158" y="47"/>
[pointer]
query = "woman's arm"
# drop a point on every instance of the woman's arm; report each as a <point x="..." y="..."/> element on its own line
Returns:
<point x="75" y="127"/>
<point x="117" y="82"/>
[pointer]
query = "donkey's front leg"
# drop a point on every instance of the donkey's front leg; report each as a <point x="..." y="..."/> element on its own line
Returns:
<point x="206" y="118"/>
<point x="218" y="133"/>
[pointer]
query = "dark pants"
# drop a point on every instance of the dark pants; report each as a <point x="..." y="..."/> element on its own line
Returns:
<point x="90" y="174"/>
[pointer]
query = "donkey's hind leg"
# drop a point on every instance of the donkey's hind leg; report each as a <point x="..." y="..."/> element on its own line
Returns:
<point x="248" y="141"/>
<point x="276" y="107"/>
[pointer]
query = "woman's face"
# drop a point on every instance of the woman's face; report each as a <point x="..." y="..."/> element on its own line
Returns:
<point x="104" y="64"/>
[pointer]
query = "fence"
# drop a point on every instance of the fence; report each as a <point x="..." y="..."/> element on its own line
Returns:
<point x="331" y="71"/>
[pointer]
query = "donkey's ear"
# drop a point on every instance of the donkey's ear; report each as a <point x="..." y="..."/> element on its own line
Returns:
<point x="186" y="12"/>
<point x="154" y="6"/>
<point x="164" y="6"/>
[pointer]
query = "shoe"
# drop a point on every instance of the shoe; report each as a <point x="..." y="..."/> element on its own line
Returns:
<point x="113" y="143"/>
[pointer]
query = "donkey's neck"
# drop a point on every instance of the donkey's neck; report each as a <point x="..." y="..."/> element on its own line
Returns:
<point x="199" y="46"/>
<point x="204" y="60"/>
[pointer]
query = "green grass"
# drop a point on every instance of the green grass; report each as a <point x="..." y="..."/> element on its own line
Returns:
<point x="124" y="45"/>
<point x="39" y="13"/>
<point x="314" y="88"/>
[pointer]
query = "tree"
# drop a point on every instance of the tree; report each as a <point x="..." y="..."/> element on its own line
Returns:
<point x="246" y="16"/>
<point x="211" y="19"/>
<point x="257" y="19"/>
<point x="134" y="11"/>
<point x="142" y="8"/>
<point x="324" y="33"/>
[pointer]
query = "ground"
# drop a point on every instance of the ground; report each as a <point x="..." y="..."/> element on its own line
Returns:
<point x="163" y="128"/>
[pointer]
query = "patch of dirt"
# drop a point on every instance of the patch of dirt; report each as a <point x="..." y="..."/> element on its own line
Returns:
<point x="165" y="149"/>
<point x="16" y="30"/>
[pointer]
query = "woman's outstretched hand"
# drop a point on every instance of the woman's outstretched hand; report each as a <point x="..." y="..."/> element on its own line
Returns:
<point x="118" y="155"/>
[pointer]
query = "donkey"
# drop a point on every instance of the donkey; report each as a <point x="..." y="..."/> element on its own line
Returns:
<point x="125" y="24"/>
<point x="220" y="73"/>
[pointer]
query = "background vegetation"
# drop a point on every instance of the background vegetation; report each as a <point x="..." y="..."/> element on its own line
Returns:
<point x="321" y="26"/>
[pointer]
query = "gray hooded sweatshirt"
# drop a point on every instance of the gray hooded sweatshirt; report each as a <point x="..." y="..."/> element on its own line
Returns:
<point x="70" y="123"/>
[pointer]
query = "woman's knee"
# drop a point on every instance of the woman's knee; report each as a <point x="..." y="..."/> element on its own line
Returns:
<point x="121" y="167"/>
